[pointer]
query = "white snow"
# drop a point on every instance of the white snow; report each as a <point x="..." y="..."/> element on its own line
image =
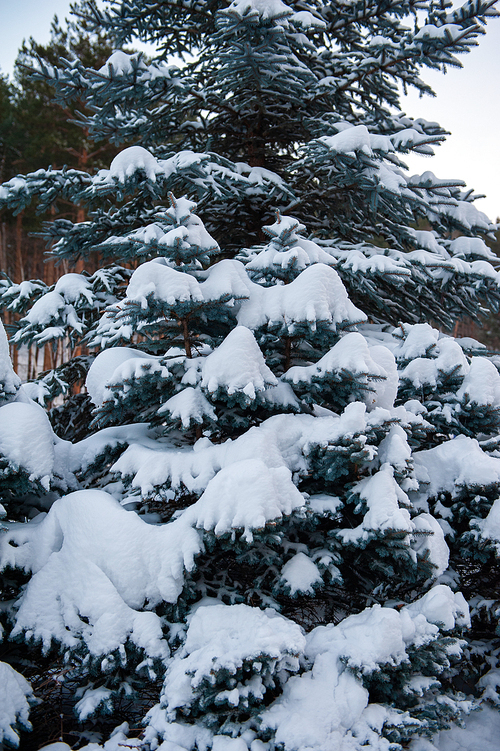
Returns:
<point x="91" y="699"/>
<point x="446" y="356"/>
<point x="188" y="406"/>
<point x="287" y="249"/>
<point x="9" y="380"/>
<point x="226" y="743"/>
<point x="352" y="356"/>
<point x="279" y="441"/>
<point x="226" y="280"/>
<point x="73" y="287"/>
<point x="454" y="464"/>
<point x="100" y="563"/>
<point x="176" y="228"/>
<point x="300" y="574"/>
<point x="132" y="160"/>
<point x="266" y="9"/>
<point x="471" y="246"/>
<point x="237" y="365"/>
<point x="188" y="230"/>
<point x="384" y="391"/>
<point x="83" y="453"/>
<point x="281" y="395"/>
<point x="357" y="138"/>
<point x="394" y="449"/>
<point x="51" y="309"/>
<point x="324" y="504"/>
<point x="383" y="497"/>
<point x="27" y="440"/>
<point x="431" y="544"/>
<point x="120" y="63"/>
<point x="105" y="370"/>
<point x="244" y="495"/>
<point x="481" y="384"/>
<point x="15" y="693"/>
<point x="363" y="260"/>
<point x="427" y="240"/>
<point x="467" y="215"/>
<point x="442" y="607"/>
<point x="223" y="638"/>
<point x="163" y="283"/>
<point x="393" y="180"/>
<point x="317" y="295"/>
<point x="447" y="32"/>
<point x="419" y="340"/>
<point x="306" y="19"/>
<point x="327" y="706"/>
<point x="300" y="256"/>
<point x="489" y="528"/>
<point x="481" y="731"/>
<point x="105" y="578"/>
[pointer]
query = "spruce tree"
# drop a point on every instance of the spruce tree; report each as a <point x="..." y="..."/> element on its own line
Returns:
<point x="282" y="527"/>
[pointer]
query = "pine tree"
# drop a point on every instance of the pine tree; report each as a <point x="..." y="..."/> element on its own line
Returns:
<point x="281" y="529"/>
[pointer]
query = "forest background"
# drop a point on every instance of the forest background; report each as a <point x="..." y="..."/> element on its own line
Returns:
<point x="36" y="131"/>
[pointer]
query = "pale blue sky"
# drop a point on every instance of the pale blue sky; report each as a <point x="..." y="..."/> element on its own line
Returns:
<point x="467" y="103"/>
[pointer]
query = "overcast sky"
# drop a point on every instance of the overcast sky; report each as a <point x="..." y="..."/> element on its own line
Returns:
<point x="467" y="102"/>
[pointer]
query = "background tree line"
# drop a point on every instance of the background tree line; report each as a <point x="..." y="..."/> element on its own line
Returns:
<point x="35" y="131"/>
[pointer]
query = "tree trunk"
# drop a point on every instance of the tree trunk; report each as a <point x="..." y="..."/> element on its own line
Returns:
<point x="3" y="247"/>
<point x="19" y="252"/>
<point x="185" y="334"/>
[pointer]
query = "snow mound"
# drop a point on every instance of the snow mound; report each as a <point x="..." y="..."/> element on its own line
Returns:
<point x="481" y="385"/>
<point x="132" y="160"/>
<point x="120" y="64"/>
<point x="481" y="730"/>
<point x="15" y="693"/>
<point x="352" y="358"/>
<point x="74" y="287"/>
<point x="327" y="706"/>
<point x="237" y="365"/>
<point x="383" y="498"/>
<point x="224" y="638"/>
<point x="431" y="545"/>
<point x="163" y="283"/>
<point x="27" y="440"/>
<point x="189" y="407"/>
<point x="282" y="440"/>
<point x="300" y="574"/>
<point x="265" y="9"/>
<point x="489" y="528"/>
<point x="317" y="295"/>
<point x="104" y="369"/>
<point x="9" y="380"/>
<point x="448" y="357"/>
<point x="98" y="580"/>
<point x="245" y="495"/>
<point x="454" y="464"/>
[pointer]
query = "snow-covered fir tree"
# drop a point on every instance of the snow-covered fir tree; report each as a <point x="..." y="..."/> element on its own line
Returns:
<point x="281" y="528"/>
